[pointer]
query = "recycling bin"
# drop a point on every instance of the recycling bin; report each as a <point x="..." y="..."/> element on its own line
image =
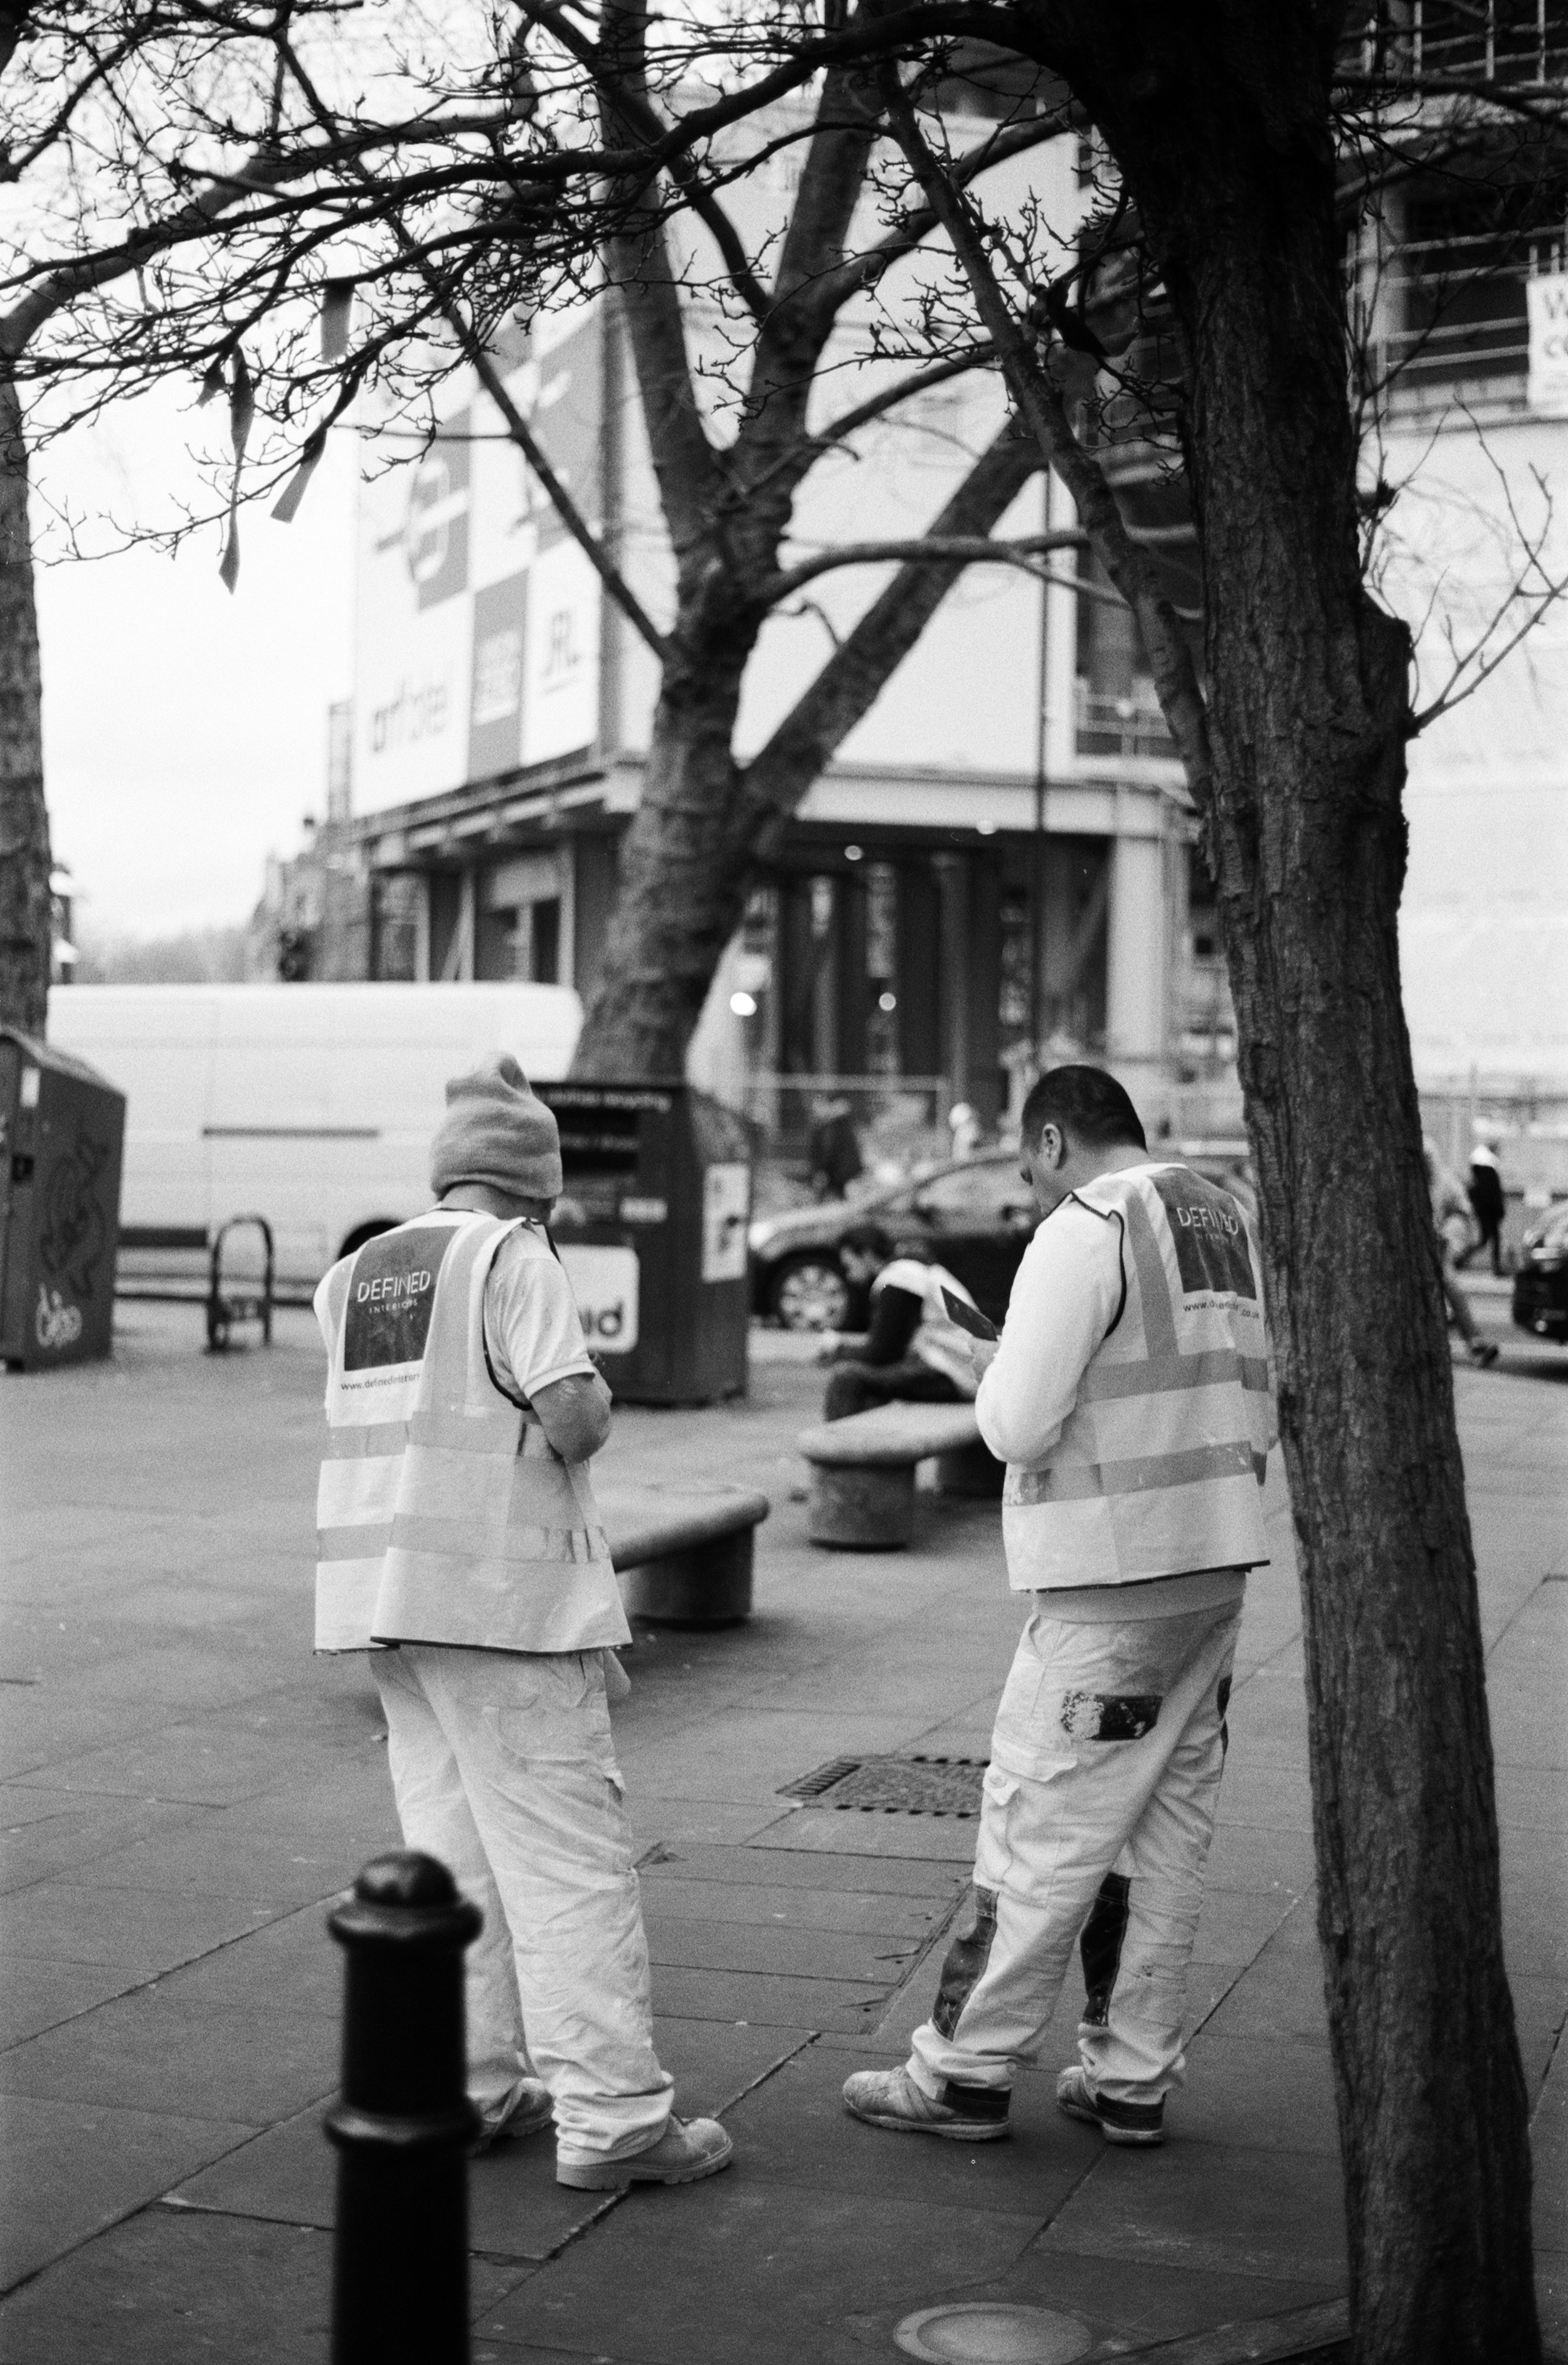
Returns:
<point x="651" y="1227"/>
<point x="62" y="1139"/>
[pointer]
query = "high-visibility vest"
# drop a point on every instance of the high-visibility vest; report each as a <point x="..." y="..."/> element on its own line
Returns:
<point x="443" y="1517"/>
<point x="1159" y="1469"/>
<point x="933" y="1341"/>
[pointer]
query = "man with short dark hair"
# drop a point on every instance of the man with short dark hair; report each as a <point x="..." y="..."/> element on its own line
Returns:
<point x="1130" y="1397"/>
<point x="911" y="1353"/>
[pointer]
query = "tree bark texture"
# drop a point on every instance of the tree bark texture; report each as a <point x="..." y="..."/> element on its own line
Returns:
<point x="1220" y="121"/>
<point x="26" y="914"/>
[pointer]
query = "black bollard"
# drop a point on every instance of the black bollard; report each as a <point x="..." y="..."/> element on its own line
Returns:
<point x="403" y="2123"/>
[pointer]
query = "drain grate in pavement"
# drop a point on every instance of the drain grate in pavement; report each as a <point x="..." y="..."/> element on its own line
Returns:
<point x="893" y="1786"/>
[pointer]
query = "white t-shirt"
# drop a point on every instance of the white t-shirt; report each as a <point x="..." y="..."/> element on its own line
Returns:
<point x="531" y="1327"/>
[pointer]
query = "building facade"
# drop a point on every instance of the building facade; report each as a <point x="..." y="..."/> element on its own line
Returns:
<point x="998" y="865"/>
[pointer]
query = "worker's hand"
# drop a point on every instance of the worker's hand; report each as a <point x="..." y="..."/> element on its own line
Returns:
<point x="828" y="1348"/>
<point x="983" y="1354"/>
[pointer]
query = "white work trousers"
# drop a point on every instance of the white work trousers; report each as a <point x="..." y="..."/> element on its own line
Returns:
<point x="504" y="1768"/>
<point x="1105" y="1760"/>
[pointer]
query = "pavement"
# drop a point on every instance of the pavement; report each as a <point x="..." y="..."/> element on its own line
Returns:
<point x="185" y="1786"/>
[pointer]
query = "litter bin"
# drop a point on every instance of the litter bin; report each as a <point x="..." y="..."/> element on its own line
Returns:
<point x="62" y="1136"/>
<point x="652" y="1229"/>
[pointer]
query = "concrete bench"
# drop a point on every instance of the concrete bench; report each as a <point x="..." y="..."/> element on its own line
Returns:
<point x="683" y="1554"/>
<point x="862" y="1491"/>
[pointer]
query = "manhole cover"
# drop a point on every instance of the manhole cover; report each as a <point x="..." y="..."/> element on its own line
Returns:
<point x="894" y="1786"/>
<point x="987" y="2332"/>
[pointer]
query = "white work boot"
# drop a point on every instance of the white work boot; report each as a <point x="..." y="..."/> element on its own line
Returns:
<point x="890" y="2098"/>
<point x="688" y="2149"/>
<point x="522" y="2110"/>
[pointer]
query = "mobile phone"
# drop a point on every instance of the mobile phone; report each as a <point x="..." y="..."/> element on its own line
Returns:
<point x="968" y="1318"/>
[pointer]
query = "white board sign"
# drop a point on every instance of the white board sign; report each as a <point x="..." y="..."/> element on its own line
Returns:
<point x="1547" y="300"/>
<point x="604" y="1283"/>
<point x="477" y="632"/>
<point x="726" y="1203"/>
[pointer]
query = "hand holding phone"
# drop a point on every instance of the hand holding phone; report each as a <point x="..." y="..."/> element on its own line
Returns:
<point x="968" y="1318"/>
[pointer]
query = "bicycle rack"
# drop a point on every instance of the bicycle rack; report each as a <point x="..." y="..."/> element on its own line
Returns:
<point x="225" y="1308"/>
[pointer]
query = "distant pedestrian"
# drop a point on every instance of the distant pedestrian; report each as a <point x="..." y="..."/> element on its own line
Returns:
<point x="461" y="1544"/>
<point x="1129" y="1398"/>
<point x="912" y="1352"/>
<point x="1487" y="1205"/>
<point x="834" y="1150"/>
<point x="964" y="1125"/>
<point x="1455" y="1225"/>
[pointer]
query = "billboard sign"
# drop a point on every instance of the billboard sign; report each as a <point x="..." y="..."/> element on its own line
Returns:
<point x="477" y="628"/>
<point x="1547" y="298"/>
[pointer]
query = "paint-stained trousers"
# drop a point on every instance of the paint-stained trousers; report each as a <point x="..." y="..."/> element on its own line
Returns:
<point x="504" y="1768"/>
<point x="1098" y="1811"/>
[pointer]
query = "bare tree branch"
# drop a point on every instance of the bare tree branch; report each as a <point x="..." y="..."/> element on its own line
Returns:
<point x="1025" y="550"/>
<point x="1129" y="567"/>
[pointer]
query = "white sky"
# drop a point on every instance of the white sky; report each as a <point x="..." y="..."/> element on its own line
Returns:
<point x="185" y="729"/>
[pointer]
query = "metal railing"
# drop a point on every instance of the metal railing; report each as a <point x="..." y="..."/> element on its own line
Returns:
<point x="1511" y="42"/>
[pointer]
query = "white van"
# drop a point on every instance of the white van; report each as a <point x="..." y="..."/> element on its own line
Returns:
<point x="312" y="1105"/>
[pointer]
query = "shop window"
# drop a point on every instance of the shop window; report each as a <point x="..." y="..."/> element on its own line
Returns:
<point x="1441" y="293"/>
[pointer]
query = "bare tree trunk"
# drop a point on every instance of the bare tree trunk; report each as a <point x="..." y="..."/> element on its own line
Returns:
<point x="1309" y="708"/>
<point x="25" y="933"/>
<point x="703" y="822"/>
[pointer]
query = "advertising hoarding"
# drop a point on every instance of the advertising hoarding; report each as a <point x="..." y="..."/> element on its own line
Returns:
<point x="477" y="627"/>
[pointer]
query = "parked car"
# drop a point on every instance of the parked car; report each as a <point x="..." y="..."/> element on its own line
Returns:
<point x="976" y="1217"/>
<point x="1540" y="1284"/>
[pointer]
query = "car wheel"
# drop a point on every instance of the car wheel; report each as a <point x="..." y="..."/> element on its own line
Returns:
<point x="810" y="1294"/>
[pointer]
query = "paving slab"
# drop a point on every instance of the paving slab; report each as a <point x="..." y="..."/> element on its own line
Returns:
<point x="682" y="1942"/>
<point x="36" y="1995"/>
<point x="804" y="1868"/>
<point x="1216" y="2208"/>
<point x="516" y="2209"/>
<point x="173" y="2288"/>
<point x="769" y="2272"/>
<point x="763" y="1999"/>
<point x="845" y="1911"/>
<point x="138" y="1929"/>
<point x="152" y="2052"/>
<point x="209" y="1762"/>
<point x="291" y="1961"/>
<point x="68" y="2170"/>
<point x="72" y="1832"/>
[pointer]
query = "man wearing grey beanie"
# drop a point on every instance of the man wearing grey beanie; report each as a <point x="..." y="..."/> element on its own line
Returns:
<point x="461" y="1544"/>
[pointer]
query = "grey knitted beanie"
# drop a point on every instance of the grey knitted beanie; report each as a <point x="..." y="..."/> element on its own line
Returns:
<point x="497" y="1131"/>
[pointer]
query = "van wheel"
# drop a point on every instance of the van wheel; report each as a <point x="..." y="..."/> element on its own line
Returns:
<point x="363" y="1232"/>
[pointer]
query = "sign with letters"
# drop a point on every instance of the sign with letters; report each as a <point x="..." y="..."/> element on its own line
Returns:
<point x="604" y="1283"/>
<point x="1547" y="296"/>
<point x="1212" y="1254"/>
<point x="478" y="617"/>
<point x="391" y="1295"/>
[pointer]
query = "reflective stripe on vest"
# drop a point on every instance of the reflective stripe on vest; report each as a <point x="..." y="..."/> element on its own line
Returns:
<point x="1160" y="1464"/>
<point x="443" y="1515"/>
